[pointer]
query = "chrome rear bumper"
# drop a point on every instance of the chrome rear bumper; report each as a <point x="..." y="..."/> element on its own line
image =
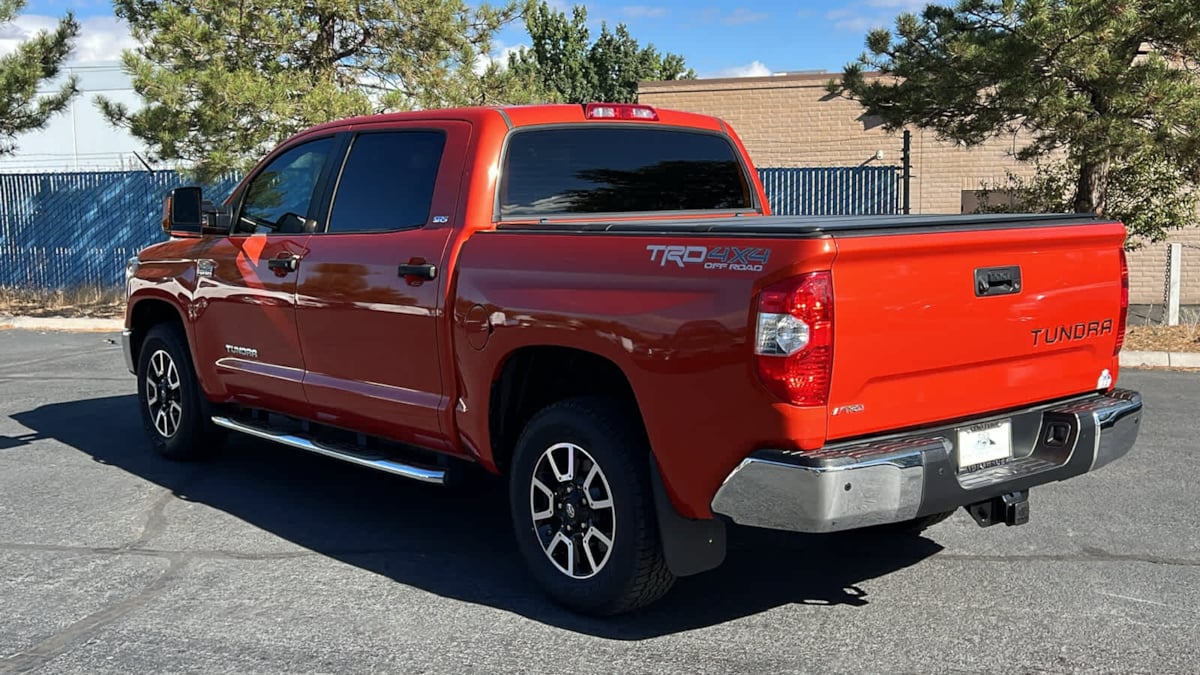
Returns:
<point x="899" y="478"/>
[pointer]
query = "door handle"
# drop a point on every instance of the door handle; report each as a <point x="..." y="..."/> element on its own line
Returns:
<point x="419" y="270"/>
<point x="283" y="264"/>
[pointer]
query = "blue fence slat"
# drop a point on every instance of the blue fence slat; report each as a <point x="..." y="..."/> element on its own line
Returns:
<point x="70" y="229"/>
<point x="832" y="191"/>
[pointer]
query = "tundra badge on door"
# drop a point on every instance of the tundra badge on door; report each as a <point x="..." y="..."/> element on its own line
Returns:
<point x="247" y="352"/>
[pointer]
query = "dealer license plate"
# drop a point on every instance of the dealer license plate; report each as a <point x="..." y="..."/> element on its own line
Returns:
<point x="984" y="444"/>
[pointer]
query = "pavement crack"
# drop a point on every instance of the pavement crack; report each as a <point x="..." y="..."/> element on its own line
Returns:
<point x="64" y="548"/>
<point x="1130" y="598"/>
<point x="55" y="357"/>
<point x="62" y="641"/>
<point x="170" y="554"/>
<point x="1087" y="555"/>
<point x="156" y="520"/>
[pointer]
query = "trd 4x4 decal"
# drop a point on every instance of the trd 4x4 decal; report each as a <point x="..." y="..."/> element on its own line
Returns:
<point x="738" y="259"/>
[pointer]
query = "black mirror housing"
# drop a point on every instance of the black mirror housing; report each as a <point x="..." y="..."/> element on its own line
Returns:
<point x="218" y="218"/>
<point x="183" y="212"/>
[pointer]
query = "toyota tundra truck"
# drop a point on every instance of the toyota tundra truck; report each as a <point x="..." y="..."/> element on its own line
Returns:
<point x="594" y="302"/>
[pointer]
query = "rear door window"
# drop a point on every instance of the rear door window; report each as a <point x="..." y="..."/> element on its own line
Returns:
<point x="579" y="170"/>
<point x="388" y="181"/>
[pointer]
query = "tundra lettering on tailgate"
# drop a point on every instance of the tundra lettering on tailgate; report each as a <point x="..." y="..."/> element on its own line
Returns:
<point x="1071" y="332"/>
<point x="738" y="259"/>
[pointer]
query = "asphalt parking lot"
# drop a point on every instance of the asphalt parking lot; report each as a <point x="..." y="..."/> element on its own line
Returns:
<point x="266" y="559"/>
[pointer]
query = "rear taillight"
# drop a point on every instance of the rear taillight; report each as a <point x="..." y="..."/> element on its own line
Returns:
<point x="619" y="111"/>
<point x="1123" y="317"/>
<point x="794" y="338"/>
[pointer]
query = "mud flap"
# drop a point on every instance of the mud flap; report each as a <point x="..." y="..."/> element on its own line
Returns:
<point x="690" y="546"/>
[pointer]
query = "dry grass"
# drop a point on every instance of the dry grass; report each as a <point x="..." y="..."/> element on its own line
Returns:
<point x="1182" y="338"/>
<point x="99" y="302"/>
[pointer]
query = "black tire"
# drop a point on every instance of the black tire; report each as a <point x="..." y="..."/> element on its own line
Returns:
<point x="175" y="413"/>
<point x="630" y="573"/>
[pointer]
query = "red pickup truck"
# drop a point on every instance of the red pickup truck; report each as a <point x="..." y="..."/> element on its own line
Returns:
<point x="595" y="302"/>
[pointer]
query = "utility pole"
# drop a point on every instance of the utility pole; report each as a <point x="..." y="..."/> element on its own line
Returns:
<point x="906" y="178"/>
<point x="74" y="133"/>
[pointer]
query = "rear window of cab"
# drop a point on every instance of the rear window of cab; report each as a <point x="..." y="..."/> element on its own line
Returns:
<point x="568" y="171"/>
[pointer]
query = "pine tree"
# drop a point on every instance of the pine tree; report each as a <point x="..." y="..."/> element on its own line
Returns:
<point x="226" y="80"/>
<point x="570" y="68"/>
<point x="1108" y="91"/>
<point x="34" y="63"/>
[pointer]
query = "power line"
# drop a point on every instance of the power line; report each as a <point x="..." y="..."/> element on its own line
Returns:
<point x="90" y="91"/>
<point x="95" y="68"/>
<point x="47" y="156"/>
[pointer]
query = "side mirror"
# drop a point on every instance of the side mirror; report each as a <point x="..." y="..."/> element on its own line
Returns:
<point x="186" y="213"/>
<point x="183" y="212"/>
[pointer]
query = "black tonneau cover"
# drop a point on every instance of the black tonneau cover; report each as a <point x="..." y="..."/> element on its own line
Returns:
<point x="814" y="226"/>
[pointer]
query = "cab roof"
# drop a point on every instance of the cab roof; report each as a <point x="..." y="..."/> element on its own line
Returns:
<point x="519" y="116"/>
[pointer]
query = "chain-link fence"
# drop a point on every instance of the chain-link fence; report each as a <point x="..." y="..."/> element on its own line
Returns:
<point x="61" y="230"/>
<point x="828" y="191"/>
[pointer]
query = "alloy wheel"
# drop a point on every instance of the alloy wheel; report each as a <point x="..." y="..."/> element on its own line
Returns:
<point x="573" y="513"/>
<point x="164" y="393"/>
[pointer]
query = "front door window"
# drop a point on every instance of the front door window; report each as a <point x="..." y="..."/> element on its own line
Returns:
<point x="279" y="197"/>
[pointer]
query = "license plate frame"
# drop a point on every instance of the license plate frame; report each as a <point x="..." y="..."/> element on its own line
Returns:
<point x="983" y="445"/>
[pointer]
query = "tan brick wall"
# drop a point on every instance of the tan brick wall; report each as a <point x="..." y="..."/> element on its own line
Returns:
<point x="791" y="121"/>
<point x="1148" y="270"/>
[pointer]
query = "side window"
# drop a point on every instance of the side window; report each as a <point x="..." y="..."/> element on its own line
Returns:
<point x="388" y="181"/>
<point x="278" y="198"/>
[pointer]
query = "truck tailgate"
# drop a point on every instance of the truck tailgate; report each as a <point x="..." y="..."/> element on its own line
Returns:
<point x="933" y="326"/>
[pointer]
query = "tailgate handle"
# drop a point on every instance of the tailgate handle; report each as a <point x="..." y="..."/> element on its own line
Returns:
<point x="997" y="281"/>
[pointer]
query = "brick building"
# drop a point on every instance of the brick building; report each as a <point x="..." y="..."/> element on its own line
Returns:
<point x="790" y="120"/>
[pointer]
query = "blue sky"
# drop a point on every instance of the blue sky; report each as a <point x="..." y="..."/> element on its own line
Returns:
<point x="732" y="37"/>
<point x="717" y="37"/>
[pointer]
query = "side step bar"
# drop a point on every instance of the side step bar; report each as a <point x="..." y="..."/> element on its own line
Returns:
<point x="424" y="475"/>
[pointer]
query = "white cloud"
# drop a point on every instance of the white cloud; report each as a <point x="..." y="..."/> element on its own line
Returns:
<point x="644" y="12"/>
<point x="13" y="34"/>
<point x="101" y="38"/>
<point x="865" y="15"/>
<point x="900" y="5"/>
<point x="741" y="15"/>
<point x="499" y="56"/>
<point x="857" y="23"/>
<point x="752" y="69"/>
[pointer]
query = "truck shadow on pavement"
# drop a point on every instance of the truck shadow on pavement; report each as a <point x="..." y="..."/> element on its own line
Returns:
<point x="457" y="542"/>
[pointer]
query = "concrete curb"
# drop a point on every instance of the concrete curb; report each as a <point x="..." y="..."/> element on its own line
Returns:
<point x="1161" y="359"/>
<point x="59" y="323"/>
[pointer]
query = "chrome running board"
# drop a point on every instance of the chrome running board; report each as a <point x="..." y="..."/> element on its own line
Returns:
<point x="424" y="475"/>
